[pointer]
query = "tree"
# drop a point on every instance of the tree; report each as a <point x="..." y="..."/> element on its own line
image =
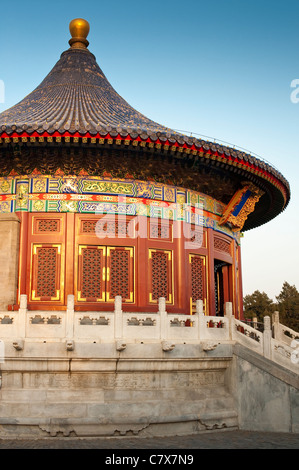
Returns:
<point x="288" y="306"/>
<point x="257" y="305"/>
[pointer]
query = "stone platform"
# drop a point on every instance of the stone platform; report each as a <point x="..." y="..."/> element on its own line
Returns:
<point x="142" y="393"/>
<point x="142" y="375"/>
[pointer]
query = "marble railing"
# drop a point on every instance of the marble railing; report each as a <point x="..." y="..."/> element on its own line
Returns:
<point x="281" y="332"/>
<point x="131" y="327"/>
<point x="107" y="326"/>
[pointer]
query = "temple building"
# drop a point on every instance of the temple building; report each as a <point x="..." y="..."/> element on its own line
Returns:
<point x="121" y="279"/>
<point x="111" y="203"/>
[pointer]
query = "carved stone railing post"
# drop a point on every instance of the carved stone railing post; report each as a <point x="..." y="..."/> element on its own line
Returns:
<point x="167" y="344"/>
<point x="201" y="319"/>
<point x="163" y="318"/>
<point x="275" y="325"/>
<point x="228" y="312"/>
<point x="22" y="316"/>
<point x="70" y="317"/>
<point x="118" y="318"/>
<point x="267" y="336"/>
<point x="199" y="307"/>
<point x="228" y="309"/>
<point x="120" y="343"/>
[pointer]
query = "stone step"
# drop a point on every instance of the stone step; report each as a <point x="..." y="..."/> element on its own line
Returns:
<point x="145" y="419"/>
<point x="40" y="413"/>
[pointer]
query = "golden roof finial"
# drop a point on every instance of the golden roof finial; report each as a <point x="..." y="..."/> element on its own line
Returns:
<point x="79" y="30"/>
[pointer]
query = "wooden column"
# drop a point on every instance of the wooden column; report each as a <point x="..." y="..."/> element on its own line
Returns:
<point x="211" y="279"/>
<point x="70" y="254"/>
<point x="23" y="254"/>
<point x="9" y="259"/>
<point x="181" y="268"/>
<point x="240" y="284"/>
<point x="226" y="293"/>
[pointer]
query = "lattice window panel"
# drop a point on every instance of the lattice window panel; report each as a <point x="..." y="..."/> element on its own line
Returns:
<point x="160" y="275"/>
<point x="46" y="265"/>
<point x="196" y="235"/>
<point x="222" y="245"/>
<point x="104" y="273"/>
<point x="46" y="225"/>
<point x="161" y="231"/>
<point x="88" y="226"/>
<point x="120" y="273"/>
<point x="113" y="228"/>
<point x="198" y="280"/>
<point x="91" y="273"/>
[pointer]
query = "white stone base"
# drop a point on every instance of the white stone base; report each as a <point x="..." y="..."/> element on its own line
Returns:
<point x="140" y="391"/>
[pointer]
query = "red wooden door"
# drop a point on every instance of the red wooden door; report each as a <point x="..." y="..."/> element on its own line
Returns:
<point x="45" y="279"/>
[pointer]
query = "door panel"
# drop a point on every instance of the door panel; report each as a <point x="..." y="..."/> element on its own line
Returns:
<point x="91" y="273"/>
<point x="198" y="283"/>
<point x="46" y="260"/>
<point x="160" y="275"/>
<point x="46" y="273"/>
<point x="120" y="273"/>
<point x="105" y="272"/>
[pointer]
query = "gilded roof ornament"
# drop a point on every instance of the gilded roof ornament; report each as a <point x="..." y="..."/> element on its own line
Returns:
<point x="79" y="29"/>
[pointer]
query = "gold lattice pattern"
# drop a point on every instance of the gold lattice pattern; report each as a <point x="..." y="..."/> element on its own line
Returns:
<point x="160" y="283"/>
<point x="197" y="237"/>
<point x="91" y="273"/>
<point x="161" y="231"/>
<point x="197" y="278"/>
<point x="48" y="225"/>
<point x="88" y="226"/>
<point x="119" y="273"/>
<point x="46" y="281"/>
<point x="105" y="227"/>
<point x="222" y="245"/>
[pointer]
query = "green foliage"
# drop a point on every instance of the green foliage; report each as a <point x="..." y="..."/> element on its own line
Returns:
<point x="288" y="306"/>
<point x="259" y="304"/>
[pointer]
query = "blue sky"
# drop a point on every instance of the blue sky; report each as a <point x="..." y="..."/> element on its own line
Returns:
<point x="221" y="69"/>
